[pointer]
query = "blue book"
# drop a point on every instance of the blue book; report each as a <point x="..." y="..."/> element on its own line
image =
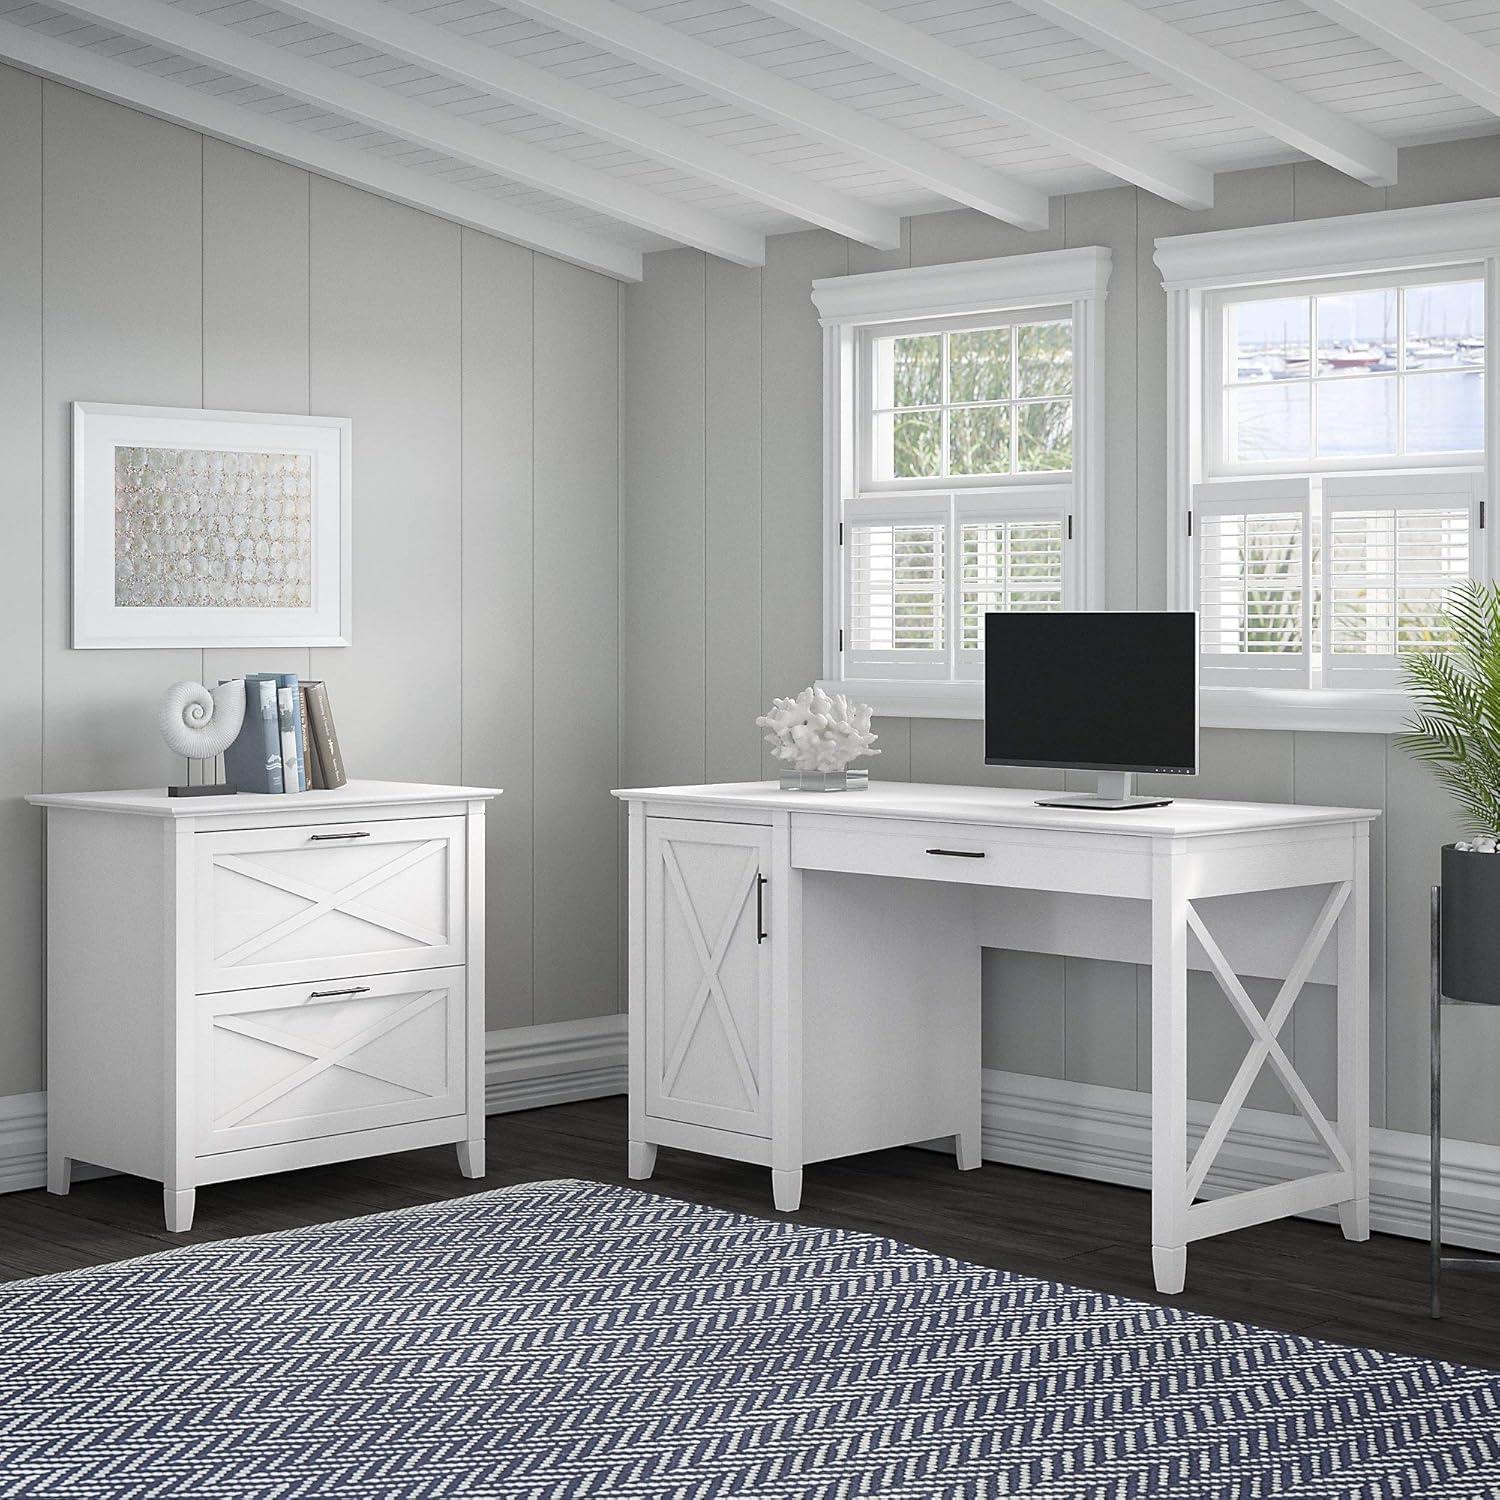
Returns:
<point x="289" y="680"/>
<point x="253" y="762"/>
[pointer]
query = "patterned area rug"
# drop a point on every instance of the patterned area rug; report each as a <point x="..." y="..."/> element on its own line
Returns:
<point x="568" y="1338"/>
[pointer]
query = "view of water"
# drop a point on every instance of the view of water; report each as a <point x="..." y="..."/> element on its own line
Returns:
<point x="1363" y="374"/>
<point x="1357" y="416"/>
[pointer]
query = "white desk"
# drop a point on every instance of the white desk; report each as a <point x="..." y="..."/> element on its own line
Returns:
<point x="786" y="1008"/>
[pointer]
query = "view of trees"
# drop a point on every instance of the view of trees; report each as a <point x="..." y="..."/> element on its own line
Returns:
<point x="978" y="402"/>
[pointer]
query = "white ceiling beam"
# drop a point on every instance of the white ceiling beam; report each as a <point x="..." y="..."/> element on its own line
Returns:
<point x="1434" y="47"/>
<point x="1167" y="52"/>
<point x="179" y="31"/>
<point x="138" y="89"/>
<point x="713" y="71"/>
<point x="915" y="54"/>
<point x="489" y="71"/>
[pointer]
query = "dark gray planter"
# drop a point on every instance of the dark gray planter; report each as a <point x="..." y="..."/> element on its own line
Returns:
<point x="1471" y="926"/>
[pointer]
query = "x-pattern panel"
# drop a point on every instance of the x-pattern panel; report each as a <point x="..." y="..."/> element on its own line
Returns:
<point x="322" y="901"/>
<point x="321" y="1056"/>
<point x="709" y="985"/>
<point x="1265" y="1045"/>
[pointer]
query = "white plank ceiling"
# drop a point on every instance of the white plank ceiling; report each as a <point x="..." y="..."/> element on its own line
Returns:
<point x="600" y="129"/>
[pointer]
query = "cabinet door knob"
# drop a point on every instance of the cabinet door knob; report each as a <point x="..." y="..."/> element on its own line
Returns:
<point x="362" y="834"/>
<point x="356" y="989"/>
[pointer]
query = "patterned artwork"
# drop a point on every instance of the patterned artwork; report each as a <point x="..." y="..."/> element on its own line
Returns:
<point x="212" y="528"/>
<point x="575" y="1339"/>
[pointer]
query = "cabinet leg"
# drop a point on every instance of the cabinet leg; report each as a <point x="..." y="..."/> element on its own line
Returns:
<point x="1354" y="1219"/>
<point x="1169" y="1263"/>
<point x="59" y="1173"/>
<point x="471" y="1157"/>
<point x="966" y="1149"/>
<point x="786" y="1189"/>
<point x="641" y="1161"/>
<point x="178" y="1208"/>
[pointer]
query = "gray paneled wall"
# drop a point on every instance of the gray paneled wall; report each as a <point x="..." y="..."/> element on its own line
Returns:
<point x="142" y="262"/>
<point x="722" y="595"/>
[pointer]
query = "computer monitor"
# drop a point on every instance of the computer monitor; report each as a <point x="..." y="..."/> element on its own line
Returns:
<point x="1112" y="691"/>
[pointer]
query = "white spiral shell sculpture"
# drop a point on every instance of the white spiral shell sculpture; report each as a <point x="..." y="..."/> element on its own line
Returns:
<point x="200" y="722"/>
<point x="818" y="731"/>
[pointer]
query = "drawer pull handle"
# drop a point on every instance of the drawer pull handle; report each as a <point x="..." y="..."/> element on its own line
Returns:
<point x="357" y="989"/>
<point x="362" y="834"/>
<point x="959" y="853"/>
<point x="760" y="909"/>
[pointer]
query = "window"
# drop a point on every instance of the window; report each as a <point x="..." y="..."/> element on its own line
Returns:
<point x="1330" y="466"/>
<point x="958" y="467"/>
<point x="971" y="403"/>
<point x="1373" y="371"/>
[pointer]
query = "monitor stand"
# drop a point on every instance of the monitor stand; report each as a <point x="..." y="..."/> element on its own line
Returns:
<point x="1113" y="795"/>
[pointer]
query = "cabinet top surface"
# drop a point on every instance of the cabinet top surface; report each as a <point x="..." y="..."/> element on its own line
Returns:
<point x="154" y="802"/>
<point x="1003" y="807"/>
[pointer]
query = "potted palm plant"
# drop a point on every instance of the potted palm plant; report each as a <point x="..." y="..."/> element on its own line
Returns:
<point x="1455" y="729"/>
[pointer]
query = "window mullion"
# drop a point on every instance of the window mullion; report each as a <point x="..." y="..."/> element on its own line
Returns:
<point x="952" y="611"/>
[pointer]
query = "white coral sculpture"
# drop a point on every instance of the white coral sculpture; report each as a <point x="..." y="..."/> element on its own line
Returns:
<point x="818" y="731"/>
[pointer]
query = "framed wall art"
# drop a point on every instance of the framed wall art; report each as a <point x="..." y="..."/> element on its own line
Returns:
<point x="209" y="528"/>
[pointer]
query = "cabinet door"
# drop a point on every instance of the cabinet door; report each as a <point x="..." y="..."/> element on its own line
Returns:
<point x="281" y="905"/>
<point x="708" y="975"/>
<point x="295" y="1062"/>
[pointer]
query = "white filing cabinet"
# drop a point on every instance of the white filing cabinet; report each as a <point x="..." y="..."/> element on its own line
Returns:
<point x="249" y="984"/>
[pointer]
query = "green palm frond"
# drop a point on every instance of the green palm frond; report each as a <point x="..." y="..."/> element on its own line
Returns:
<point x="1455" y="726"/>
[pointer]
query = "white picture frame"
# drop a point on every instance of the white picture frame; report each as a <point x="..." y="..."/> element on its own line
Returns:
<point x="315" y="449"/>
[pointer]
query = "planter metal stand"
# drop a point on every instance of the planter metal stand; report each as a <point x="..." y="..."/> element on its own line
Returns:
<point x="1437" y="1261"/>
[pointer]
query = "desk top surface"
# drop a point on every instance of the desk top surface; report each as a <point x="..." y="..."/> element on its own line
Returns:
<point x="1003" y="807"/>
<point x="154" y="802"/>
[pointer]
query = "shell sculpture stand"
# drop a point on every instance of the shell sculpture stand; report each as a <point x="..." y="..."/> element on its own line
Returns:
<point x="201" y="723"/>
<point x="817" y="734"/>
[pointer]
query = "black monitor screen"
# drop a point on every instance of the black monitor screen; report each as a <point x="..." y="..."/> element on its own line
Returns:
<point x="1098" y="691"/>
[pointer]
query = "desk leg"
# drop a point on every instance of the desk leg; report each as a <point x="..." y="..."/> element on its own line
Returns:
<point x="1354" y="1039"/>
<point x="1168" y="1069"/>
<point x="641" y="1153"/>
<point x="786" y="1019"/>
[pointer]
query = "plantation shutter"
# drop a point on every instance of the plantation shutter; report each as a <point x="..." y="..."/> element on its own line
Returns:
<point x="895" y="583"/>
<point x="1011" y="553"/>
<point x="1254" y="566"/>
<point x="1396" y="544"/>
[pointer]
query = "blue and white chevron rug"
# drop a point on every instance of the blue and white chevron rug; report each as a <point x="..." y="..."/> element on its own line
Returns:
<point x="568" y="1338"/>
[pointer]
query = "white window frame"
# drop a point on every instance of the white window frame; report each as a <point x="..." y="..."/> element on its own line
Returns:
<point x="1216" y="463"/>
<point x="1447" y="240"/>
<point x="1070" y="283"/>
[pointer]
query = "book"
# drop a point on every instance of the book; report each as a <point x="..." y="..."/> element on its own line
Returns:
<point x="309" y="744"/>
<point x="289" y="680"/>
<point x="286" y="720"/>
<point x="253" y="762"/>
<point x="325" y="736"/>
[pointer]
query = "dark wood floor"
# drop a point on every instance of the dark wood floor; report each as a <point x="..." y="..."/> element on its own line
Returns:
<point x="1294" y="1275"/>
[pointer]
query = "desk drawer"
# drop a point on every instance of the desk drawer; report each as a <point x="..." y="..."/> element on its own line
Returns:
<point x="296" y="1062"/>
<point x="284" y="905"/>
<point x="974" y="854"/>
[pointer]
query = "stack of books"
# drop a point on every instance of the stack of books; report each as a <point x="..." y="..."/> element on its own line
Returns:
<point x="288" y="742"/>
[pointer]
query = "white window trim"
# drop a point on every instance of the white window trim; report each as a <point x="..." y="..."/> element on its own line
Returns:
<point x="1073" y="279"/>
<point x="1196" y="265"/>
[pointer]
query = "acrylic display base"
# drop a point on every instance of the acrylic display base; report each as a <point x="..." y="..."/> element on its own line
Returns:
<point x="824" y="781"/>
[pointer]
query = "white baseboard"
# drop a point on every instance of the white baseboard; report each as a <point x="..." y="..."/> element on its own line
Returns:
<point x="1084" y="1130"/>
<point x="525" y="1067"/>
<point x="23" y="1142"/>
<point x="1079" y="1129"/>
